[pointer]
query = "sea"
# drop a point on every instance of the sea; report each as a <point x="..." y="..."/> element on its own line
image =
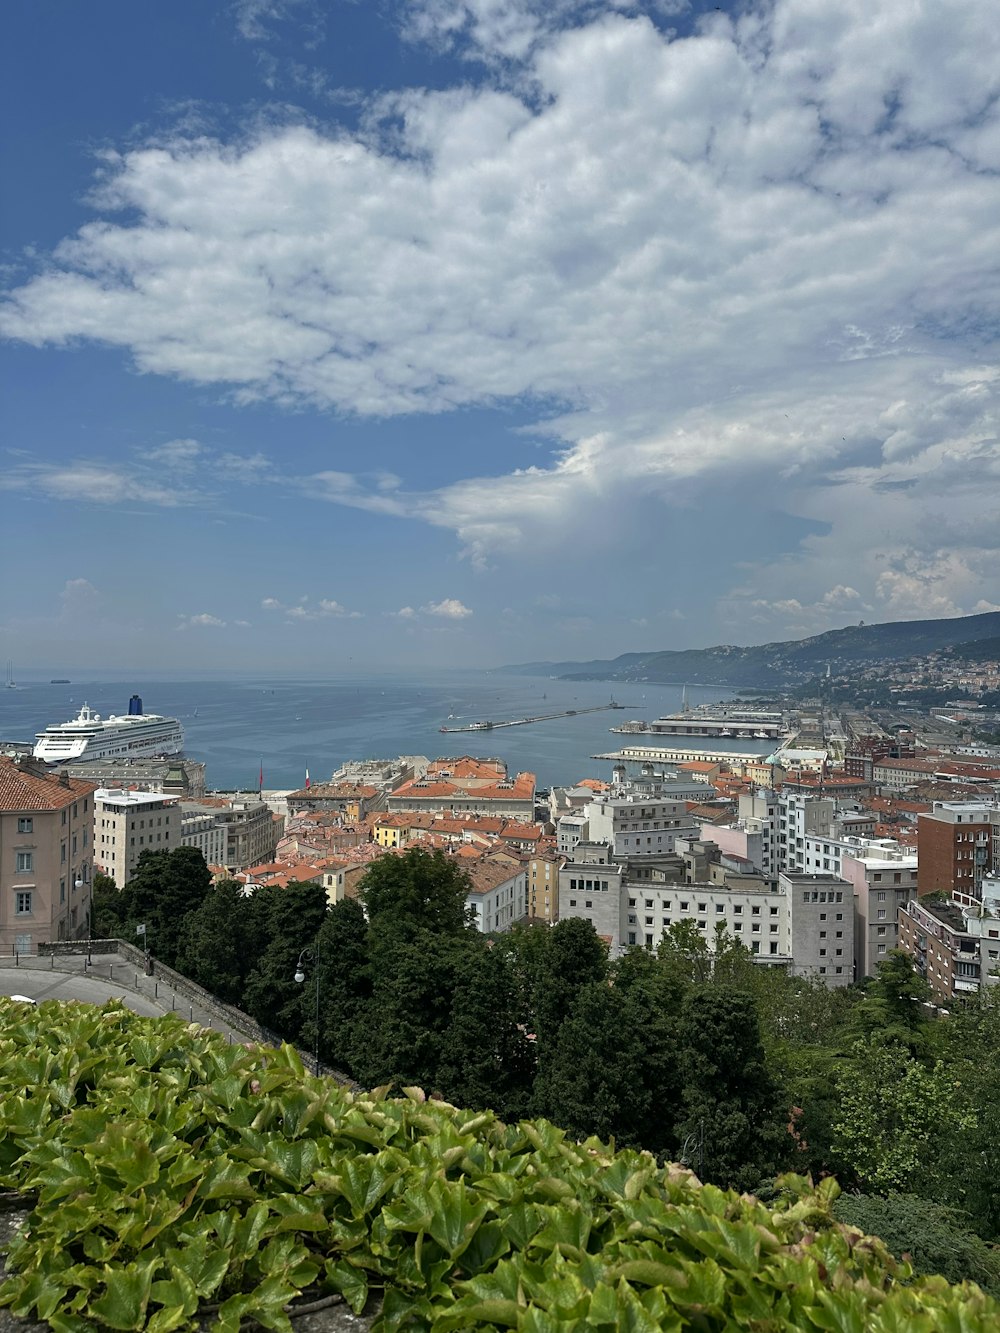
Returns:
<point x="243" y="725"/>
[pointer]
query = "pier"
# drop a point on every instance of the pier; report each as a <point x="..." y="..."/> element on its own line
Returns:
<point x="538" y="717"/>
<point x="670" y="755"/>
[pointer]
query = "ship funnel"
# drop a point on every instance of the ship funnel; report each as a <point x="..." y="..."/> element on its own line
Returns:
<point x="135" y="706"/>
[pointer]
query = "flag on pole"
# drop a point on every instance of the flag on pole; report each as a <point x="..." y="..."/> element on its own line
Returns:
<point x="260" y="780"/>
<point x="307" y="779"/>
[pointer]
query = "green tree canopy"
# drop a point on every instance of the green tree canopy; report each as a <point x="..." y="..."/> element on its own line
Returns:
<point x="418" y="890"/>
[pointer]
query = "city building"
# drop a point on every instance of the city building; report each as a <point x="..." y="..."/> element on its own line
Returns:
<point x="353" y="801"/>
<point x="958" y="843"/>
<point x="542" y="870"/>
<point x="128" y="823"/>
<point x="464" y="785"/>
<point x="172" y="776"/>
<point x="46" y="855"/>
<point x="252" y="830"/>
<point x="944" y="950"/>
<point x="634" y="825"/>
<point x="820" y="927"/>
<point x="202" y="829"/>
<point x="883" y="884"/>
<point x="498" y="896"/>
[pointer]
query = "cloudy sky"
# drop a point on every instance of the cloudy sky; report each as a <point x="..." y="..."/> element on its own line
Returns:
<point x="478" y="331"/>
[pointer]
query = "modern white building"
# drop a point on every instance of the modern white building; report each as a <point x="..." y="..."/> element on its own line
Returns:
<point x="128" y="823"/>
<point x="636" y="826"/>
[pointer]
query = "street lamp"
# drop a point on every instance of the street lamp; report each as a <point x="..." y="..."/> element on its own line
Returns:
<point x="312" y="955"/>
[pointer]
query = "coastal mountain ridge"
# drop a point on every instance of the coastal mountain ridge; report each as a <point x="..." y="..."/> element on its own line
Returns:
<point x="784" y="663"/>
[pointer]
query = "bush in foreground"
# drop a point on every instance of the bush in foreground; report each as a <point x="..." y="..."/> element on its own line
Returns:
<point x="171" y="1173"/>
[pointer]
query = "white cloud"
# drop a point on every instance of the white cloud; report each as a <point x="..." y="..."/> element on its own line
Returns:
<point x="202" y="621"/>
<point x="79" y="597"/>
<point x="404" y="613"/>
<point x="759" y="251"/>
<point x="303" y="610"/>
<point x="450" y="608"/>
<point x="91" y="482"/>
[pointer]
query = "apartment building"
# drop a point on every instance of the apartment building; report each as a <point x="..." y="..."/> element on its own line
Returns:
<point x="498" y="896"/>
<point x="252" y="830"/>
<point x="637" y="826"/>
<point x="944" y="951"/>
<point x="128" y="823"/>
<point x="958" y="843"/>
<point x="542" y="884"/>
<point x="468" y="786"/>
<point x="820" y="926"/>
<point x="46" y="855"/>
<point x="884" y="881"/>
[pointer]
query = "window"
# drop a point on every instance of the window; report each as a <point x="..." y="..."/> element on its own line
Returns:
<point x="737" y="925"/>
<point x="822" y="934"/>
<point x="649" y="902"/>
<point x="880" y="930"/>
<point x="649" y="920"/>
<point x="880" y="915"/>
<point x="774" y="946"/>
<point x="25" y="862"/>
<point x="703" y="907"/>
<point x="22" y="902"/>
<point x="755" y="911"/>
<point x="880" y="896"/>
<point x="631" y="937"/>
<point x="881" y="948"/>
<point x="774" y="911"/>
<point x="738" y="909"/>
<point x="62" y="854"/>
<point x="572" y="902"/>
<point x="25" y="825"/>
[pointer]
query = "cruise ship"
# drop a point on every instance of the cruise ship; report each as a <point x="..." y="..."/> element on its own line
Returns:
<point x="137" y="735"/>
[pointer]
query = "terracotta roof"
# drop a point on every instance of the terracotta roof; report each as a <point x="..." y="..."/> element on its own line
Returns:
<point x="334" y="791"/>
<point x="23" y="789"/>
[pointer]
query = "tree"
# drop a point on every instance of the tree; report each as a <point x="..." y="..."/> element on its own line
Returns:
<point x="418" y="890"/>
<point x="895" y="1115"/>
<point x="345" y="984"/>
<point x="613" y="1071"/>
<point x="413" y="986"/>
<point x="292" y="917"/>
<point x="215" y="948"/>
<point x="934" y="1239"/>
<point x="732" y="1116"/>
<point x="166" y="887"/>
<point x="894" y="1004"/>
<point x="573" y="957"/>
<point x="107" y="918"/>
<point x="487" y="1059"/>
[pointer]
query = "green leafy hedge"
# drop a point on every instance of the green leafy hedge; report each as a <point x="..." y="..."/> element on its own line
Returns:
<point x="170" y="1173"/>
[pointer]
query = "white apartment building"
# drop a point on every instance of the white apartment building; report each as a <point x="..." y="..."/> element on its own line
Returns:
<point x="498" y="897"/>
<point x="636" y="826"/>
<point x="128" y="823"/>
<point x="571" y="830"/>
<point x="203" y="830"/>
<point x="806" y="924"/>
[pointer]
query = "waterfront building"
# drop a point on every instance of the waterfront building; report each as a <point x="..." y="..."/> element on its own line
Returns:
<point x="465" y="785"/>
<point x="172" y="776"/>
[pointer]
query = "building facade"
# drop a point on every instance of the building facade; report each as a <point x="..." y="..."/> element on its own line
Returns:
<point x="128" y="823"/>
<point x="46" y="855"/>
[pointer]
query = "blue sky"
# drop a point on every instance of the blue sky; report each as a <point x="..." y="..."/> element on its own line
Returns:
<point x="473" y="331"/>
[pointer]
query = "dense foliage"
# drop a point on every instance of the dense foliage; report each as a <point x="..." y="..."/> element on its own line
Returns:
<point x="738" y="1069"/>
<point x="174" y="1176"/>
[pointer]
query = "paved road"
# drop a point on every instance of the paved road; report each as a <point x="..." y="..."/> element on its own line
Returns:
<point x="108" y="977"/>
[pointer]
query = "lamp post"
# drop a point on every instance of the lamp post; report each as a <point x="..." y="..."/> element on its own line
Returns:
<point x="311" y="955"/>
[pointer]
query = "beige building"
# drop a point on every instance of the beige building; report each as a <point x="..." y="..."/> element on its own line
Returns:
<point x="128" y="823"/>
<point x="46" y="855"/>
<point x="542" y="869"/>
<point x="253" y="831"/>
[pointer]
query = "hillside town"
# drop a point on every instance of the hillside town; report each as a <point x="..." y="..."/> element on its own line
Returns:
<point x="863" y="832"/>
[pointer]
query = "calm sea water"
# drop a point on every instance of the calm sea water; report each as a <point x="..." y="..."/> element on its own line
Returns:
<point x="289" y="725"/>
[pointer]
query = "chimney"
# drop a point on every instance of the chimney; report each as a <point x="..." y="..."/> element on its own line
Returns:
<point x="64" y="778"/>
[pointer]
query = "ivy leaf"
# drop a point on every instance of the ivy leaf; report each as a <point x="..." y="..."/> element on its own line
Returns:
<point x="123" y="1304"/>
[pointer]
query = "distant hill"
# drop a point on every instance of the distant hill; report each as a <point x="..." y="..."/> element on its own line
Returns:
<point x="780" y="664"/>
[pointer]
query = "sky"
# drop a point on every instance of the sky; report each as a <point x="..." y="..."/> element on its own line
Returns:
<point x="468" y="332"/>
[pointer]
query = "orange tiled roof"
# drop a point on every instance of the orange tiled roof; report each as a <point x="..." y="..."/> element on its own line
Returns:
<point x="22" y="789"/>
